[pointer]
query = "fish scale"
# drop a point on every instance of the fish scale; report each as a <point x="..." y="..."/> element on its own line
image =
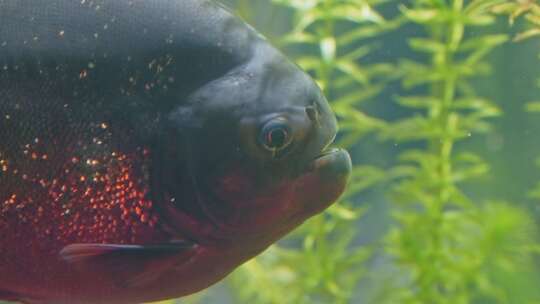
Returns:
<point x="135" y="159"/>
<point x="50" y="182"/>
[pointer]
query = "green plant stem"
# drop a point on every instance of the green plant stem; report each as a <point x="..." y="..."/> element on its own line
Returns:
<point x="326" y="68"/>
<point x="430" y="280"/>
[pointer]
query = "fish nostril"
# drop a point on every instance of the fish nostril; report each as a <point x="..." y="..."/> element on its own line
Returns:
<point x="313" y="113"/>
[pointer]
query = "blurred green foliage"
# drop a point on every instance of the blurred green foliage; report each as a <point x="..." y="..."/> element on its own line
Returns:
<point x="408" y="77"/>
<point x="530" y="11"/>
<point x="439" y="231"/>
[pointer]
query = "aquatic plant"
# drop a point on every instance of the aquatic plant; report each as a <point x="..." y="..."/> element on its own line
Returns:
<point x="448" y="243"/>
<point x="528" y="10"/>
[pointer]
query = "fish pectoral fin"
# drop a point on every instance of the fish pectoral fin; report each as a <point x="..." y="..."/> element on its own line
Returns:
<point x="75" y="253"/>
<point x="128" y="265"/>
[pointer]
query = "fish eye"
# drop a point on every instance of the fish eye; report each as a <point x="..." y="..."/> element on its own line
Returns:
<point x="275" y="135"/>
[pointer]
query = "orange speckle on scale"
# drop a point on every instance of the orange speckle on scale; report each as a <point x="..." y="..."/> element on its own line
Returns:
<point x="104" y="202"/>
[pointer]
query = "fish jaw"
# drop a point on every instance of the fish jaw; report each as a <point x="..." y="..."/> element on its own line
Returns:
<point x="325" y="180"/>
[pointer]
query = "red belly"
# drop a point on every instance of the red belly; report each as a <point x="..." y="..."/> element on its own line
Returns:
<point x="94" y="200"/>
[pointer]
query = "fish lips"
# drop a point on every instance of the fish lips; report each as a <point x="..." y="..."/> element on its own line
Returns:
<point x="324" y="180"/>
<point x="333" y="164"/>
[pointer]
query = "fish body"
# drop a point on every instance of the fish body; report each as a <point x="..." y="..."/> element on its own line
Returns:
<point x="148" y="148"/>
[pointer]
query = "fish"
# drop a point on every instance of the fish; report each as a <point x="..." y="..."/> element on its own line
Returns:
<point x="148" y="148"/>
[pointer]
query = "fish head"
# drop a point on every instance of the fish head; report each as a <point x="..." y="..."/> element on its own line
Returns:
<point x="258" y="148"/>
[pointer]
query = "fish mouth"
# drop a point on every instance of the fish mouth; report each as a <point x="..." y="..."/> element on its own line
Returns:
<point x="333" y="164"/>
<point x="324" y="180"/>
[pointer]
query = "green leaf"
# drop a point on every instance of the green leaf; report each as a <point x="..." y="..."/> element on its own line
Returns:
<point x="427" y="45"/>
<point x="357" y="53"/>
<point x="411" y="128"/>
<point x="308" y="18"/>
<point x="309" y="62"/>
<point x="483" y="42"/>
<point x="300" y="5"/>
<point x="533" y="106"/>
<point x="482" y="6"/>
<point x="469" y="157"/>
<point x="367" y="13"/>
<point x="418" y="102"/>
<point x="527" y="34"/>
<point x="298" y="38"/>
<point x="368" y="31"/>
<point x="353" y="70"/>
<point x="357" y="96"/>
<point x="344" y="213"/>
<point x="357" y="12"/>
<point x="470" y="172"/>
<point x="417" y="156"/>
<point x="505" y="7"/>
<point x="478" y="20"/>
<point x="418" y="74"/>
<point x="423" y="15"/>
<point x="482" y="108"/>
<point x="534" y="18"/>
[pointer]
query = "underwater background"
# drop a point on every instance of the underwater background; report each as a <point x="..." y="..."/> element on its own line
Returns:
<point x="439" y="106"/>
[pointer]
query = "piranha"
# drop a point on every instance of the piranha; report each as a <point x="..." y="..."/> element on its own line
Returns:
<point x="147" y="148"/>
